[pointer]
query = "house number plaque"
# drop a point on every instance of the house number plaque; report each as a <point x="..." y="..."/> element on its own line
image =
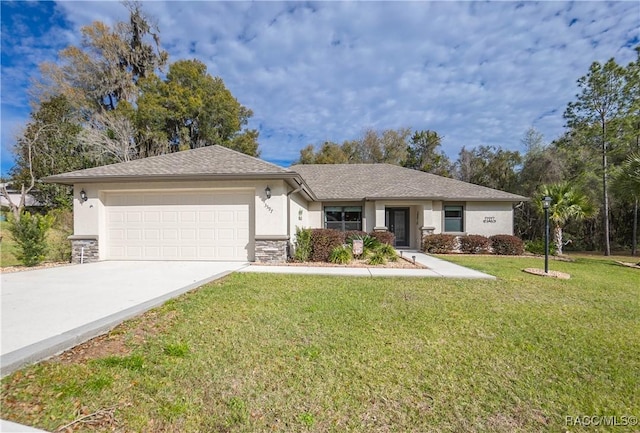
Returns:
<point x="489" y="219"/>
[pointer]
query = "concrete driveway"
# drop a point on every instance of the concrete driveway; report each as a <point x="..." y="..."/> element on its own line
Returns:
<point x="47" y="311"/>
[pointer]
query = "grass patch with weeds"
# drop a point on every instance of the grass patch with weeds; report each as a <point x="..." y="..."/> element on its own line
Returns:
<point x="257" y="352"/>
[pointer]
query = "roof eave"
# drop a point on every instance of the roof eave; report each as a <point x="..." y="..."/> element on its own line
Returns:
<point x="71" y="180"/>
<point x="432" y="198"/>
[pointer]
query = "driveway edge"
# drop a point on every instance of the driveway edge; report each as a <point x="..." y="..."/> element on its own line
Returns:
<point x="49" y="347"/>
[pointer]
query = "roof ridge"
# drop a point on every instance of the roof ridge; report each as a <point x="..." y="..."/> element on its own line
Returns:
<point x="248" y="156"/>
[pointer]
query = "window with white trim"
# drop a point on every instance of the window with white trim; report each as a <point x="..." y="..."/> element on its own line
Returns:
<point x="343" y="218"/>
<point x="454" y="219"/>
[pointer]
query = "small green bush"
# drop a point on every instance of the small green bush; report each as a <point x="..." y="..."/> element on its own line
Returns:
<point x="323" y="241"/>
<point x="377" y="258"/>
<point x="474" y="244"/>
<point x="389" y="252"/>
<point x="507" y="245"/>
<point x="537" y="247"/>
<point x="303" y="246"/>
<point x="439" y="244"/>
<point x="30" y="234"/>
<point x="341" y="255"/>
<point x="384" y="237"/>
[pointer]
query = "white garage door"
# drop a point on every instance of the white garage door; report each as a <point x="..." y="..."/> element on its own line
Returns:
<point x="199" y="225"/>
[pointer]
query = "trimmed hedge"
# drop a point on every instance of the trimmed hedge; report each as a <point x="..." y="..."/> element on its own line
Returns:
<point x="507" y="245"/>
<point x="384" y="237"/>
<point x="350" y="234"/>
<point x="439" y="244"/>
<point x="474" y="244"/>
<point x="323" y="241"/>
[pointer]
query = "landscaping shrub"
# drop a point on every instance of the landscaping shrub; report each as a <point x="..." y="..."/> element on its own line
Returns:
<point x="377" y="258"/>
<point x="323" y="241"/>
<point x="474" y="244"/>
<point x="30" y="235"/>
<point x="303" y="246"/>
<point x="341" y="255"/>
<point x="384" y="237"/>
<point x="439" y="244"/>
<point x="507" y="245"/>
<point x="388" y="251"/>
<point x="537" y="247"/>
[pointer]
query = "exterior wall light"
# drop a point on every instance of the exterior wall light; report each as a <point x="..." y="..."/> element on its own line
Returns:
<point x="267" y="192"/>
<point x="83" y="196"/>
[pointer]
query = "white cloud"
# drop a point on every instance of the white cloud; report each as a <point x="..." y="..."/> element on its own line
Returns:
<point x="478" y="73"/>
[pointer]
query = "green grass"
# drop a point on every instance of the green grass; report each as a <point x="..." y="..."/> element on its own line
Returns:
<point x="7" y="246"/>
<point x="261" y="352"/>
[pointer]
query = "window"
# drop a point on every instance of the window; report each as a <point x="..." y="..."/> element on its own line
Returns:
<point x="453" y="221"/>
<point x="343" y="217"/>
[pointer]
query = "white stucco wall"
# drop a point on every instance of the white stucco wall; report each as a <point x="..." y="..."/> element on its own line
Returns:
<point x="488" y="218"/>
<point x="315" y="215"/>
<point x="437" y="216"/>
<point x="298" y="214"/>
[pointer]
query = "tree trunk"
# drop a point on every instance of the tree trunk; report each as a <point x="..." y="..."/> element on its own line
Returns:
<point x="634" y="235"/>
<point x="605" y="195"/>
<point x="557" y="238"/>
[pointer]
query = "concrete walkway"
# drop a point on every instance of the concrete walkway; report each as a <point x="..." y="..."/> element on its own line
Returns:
<point x="435" y="268"/>
<point x="47" y="311"/>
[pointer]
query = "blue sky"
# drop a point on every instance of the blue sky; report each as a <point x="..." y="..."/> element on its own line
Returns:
<point x="478" y="73"/>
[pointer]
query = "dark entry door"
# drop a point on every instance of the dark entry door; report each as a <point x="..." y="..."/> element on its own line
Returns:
<point x="398" y="223"/>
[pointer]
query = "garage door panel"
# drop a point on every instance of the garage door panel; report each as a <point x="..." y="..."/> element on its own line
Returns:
<point x="169" y="217"/>
<point x="187" y="216"/>
<point x="207" y="234"/>
<point x="170" y="252"/>
<point x="152" y="235"/>
<point x="206" y="216"/>
<point x="152" y="216"/>
<point x="181" y="226"/>
<point x="169" y="234"/>
<point x="116" y="234"/>
<point x="134" y="216"/>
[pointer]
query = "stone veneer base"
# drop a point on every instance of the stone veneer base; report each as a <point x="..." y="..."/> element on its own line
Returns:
<point x="84" y="249"/>
<point x="271" y="249"/>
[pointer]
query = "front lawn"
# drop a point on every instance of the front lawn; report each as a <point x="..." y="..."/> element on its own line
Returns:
<point x="258" y="352"/>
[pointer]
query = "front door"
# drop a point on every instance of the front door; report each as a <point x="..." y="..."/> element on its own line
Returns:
<point x="397" y="220"/>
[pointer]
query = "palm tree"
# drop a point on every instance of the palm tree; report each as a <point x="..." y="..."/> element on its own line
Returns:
<point x="626" y="183"/>
<point x="567" y="203"/>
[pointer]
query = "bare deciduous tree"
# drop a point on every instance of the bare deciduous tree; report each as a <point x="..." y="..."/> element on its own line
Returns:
<point x="109" y="136"/>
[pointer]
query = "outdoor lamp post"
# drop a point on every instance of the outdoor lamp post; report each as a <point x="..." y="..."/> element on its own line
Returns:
<point x="546" y="202"/>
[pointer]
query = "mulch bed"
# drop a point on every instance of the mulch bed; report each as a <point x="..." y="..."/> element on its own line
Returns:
<point x="551" y="274"/>
<point x="402" y="263"/>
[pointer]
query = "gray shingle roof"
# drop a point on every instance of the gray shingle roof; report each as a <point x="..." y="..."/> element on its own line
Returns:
<point x="204" y="161"/>
<point x="378" y="181"/>
<point x="326" y="181"/>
